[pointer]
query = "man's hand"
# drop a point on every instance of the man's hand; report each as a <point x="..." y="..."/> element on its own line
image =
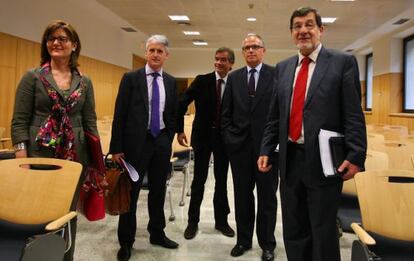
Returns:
<point x="182" y="139"/>
<point x="117" y="157"/>
<point x="349" y="168"/>
<point x="263" y="164"/>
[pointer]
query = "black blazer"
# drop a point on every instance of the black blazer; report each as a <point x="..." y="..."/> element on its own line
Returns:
<point x="333" y="103"/>
<point x="130" y="125"/>
<point x="244" y="118"/>
<point x="203" y="92"/>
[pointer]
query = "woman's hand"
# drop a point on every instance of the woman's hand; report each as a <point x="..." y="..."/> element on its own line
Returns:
<point x="22" y="154"/>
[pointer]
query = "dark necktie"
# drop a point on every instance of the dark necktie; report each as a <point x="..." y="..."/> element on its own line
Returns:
<point x="218" y="102"/>
<point x="155" y="107"/>
<point x="296" y="112"/>
<point x="252" y="83"/>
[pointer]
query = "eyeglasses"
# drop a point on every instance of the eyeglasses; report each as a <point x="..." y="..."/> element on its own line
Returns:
<point x="60" y="39"/>
<point x="251" y="47"/>
<point x="298" y="27"/>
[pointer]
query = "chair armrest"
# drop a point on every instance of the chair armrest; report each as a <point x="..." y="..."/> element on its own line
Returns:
<point x="362" y="234"/>
<point x="58" y="223"/>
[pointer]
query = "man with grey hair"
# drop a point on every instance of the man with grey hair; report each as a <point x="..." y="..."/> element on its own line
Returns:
<point x="245" y="107"/>
<point x="206" y="91"/>
<point x="142" y="132"/>
<point x="318" y="88"/>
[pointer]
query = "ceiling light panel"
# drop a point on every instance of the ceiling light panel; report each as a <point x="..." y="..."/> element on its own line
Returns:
<point x="179" y="18"/>
<point x="191" y="32"/>
<point x="200" y="42"/>
<point x="328" y="20"/>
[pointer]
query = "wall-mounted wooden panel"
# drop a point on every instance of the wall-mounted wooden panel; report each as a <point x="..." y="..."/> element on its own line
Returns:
<point x="386" y="100"/>
<point x="138" y="62"/>
<point x="8" y="50"/>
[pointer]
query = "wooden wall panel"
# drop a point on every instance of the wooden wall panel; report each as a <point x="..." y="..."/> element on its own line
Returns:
<point x="18" y="55"/>
<point x="138" y="62"/>
<point x="387" y="102"/>
<point x="105" y="78"/>
<point x="8" y="50"/>
<point x="7" y="92"/>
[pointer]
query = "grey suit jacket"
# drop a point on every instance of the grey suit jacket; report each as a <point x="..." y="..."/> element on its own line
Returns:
<point x="130" y="124"/>
<point x="33" y="106"/>
<point x="332" y="103"/>
<point x="243" y="117"/>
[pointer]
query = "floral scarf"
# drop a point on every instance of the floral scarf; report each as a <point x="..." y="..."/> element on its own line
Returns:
<point x="56" y="131"/>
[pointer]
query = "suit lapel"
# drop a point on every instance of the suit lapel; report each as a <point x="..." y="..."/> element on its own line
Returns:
<point x="76" y="78"/>
<point x="167" y="88"/>
<point x="320" y="70"/>
<point x="243" y="85"/>
<point x="288" y="84"/>
<point x="261" y="86"/>
<point x="211" y="87"/>
<point x="142" y="83"/>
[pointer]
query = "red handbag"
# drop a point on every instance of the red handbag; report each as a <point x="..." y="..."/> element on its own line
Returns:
<point x="91" y="200"/>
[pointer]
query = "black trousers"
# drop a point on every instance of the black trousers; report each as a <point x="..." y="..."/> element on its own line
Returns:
<point x="245" y="177"/>
<point x="156" y="162"/>
<point x="201" y="163"/>
<point x="309" y="209"/>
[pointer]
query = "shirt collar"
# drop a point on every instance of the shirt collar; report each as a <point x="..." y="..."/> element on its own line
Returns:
<point x="313" y="56"/>
<point x="258" y="68"/>
<point x="148" y="70"/>
<point x="218" y="77"/>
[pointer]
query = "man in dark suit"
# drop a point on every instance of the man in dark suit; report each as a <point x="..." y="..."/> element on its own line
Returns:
<point x="206" y="91"/>
<point x="143" y="128"/>
<point x="245" y="107"/>
<point x="317" y="89"/>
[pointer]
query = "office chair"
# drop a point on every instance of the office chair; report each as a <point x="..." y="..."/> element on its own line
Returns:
<point x="387" y="208"/>
<point x="35" y="208"/>
<point x="349" y="211"/>
<point x="183" y="157"/>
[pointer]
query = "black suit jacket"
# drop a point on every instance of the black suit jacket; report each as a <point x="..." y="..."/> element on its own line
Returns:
<point x="244" y="118"/>
<point x="130" y="125"/>
<point x="332" y="103"/>
<point x="203" y="92"/>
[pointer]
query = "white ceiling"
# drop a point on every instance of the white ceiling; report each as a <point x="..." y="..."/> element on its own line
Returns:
<point x="223" y="22"/>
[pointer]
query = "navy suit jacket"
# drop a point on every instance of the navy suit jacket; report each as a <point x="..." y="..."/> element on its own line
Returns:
<point x="332" y="103"/>
<point x="244" y="118"/>
<point x="130" y="125"/>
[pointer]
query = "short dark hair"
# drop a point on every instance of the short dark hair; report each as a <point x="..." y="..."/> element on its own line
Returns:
<point x="230" y="53"/>
<point x="73" y="36"/>
<point x="302" y="11"/>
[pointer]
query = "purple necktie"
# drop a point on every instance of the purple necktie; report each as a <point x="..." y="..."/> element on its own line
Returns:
<point x="155" y="107"/>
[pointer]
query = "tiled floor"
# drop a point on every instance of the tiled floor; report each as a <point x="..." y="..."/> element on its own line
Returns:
<point x="97" y="241"/>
